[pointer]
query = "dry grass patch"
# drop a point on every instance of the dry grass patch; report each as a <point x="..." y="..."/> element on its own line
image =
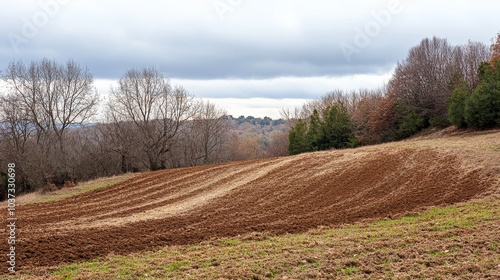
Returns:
<point x="39" y="197"/>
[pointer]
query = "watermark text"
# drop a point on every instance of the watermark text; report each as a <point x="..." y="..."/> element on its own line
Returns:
<point x="30" y="27"/>
<point x="222" y="7"/>
<point x="373" y="28"/>
<point x="11" y="219"/>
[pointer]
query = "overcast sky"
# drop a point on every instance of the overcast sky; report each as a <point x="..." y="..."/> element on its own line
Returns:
<point x="250" y="56"/>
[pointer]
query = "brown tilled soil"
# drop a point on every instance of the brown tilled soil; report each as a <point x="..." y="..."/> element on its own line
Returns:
<point x="279" y="195"/>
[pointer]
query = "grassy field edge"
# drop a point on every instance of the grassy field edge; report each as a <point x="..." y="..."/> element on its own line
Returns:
<point x="80" y="188"/>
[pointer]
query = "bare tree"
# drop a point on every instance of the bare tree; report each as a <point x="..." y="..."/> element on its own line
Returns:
<point x="248" y="146"/>
<point x="291" y="115"/>
<point x="469" y="57"/>
<point x="54" y="96"/>
<point x="146" y="99"/>
<point x="16" y="128"/>
<point x="278" y="144"/>
<point x="422" y="80"/>
<point x="208" y="136"/>
<point x="119" y="141"/>
<point x="431" y="71"/>
<point x="41" y="102"/>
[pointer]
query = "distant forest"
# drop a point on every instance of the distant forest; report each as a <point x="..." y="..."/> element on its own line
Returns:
<point x="48" y="111"/>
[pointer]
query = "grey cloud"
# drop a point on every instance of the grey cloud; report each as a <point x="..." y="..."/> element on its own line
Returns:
<point x="256" y="40"/>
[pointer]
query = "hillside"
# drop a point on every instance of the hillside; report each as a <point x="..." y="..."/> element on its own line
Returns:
<point x="275" y="196"/>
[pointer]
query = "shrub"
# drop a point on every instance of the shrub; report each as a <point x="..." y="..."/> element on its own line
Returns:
<point x="409" y="123"/>
<point x="69" y="184"/>
<point x="50" y="187"/>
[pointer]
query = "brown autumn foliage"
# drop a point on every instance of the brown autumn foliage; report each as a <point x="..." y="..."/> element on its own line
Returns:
<point x="362" y="117"/>
<point x="495" y="49"/>
<point x="247" y="146"/>
<point x="380" y="125"/>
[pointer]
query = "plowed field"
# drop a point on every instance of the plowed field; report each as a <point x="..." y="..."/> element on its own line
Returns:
<point x="278" y="195"/>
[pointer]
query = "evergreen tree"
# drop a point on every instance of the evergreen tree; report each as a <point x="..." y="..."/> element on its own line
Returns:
<point x="314" y="131"/>
<point x="336" y="131"/>
<point x="456" y="109"/>
<point x="297" y="138"/>
<point x="482" y="109"/>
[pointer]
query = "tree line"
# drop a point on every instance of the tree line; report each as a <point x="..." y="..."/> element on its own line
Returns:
<point x="47" y="126"/>
<point x="437" y="85"/>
